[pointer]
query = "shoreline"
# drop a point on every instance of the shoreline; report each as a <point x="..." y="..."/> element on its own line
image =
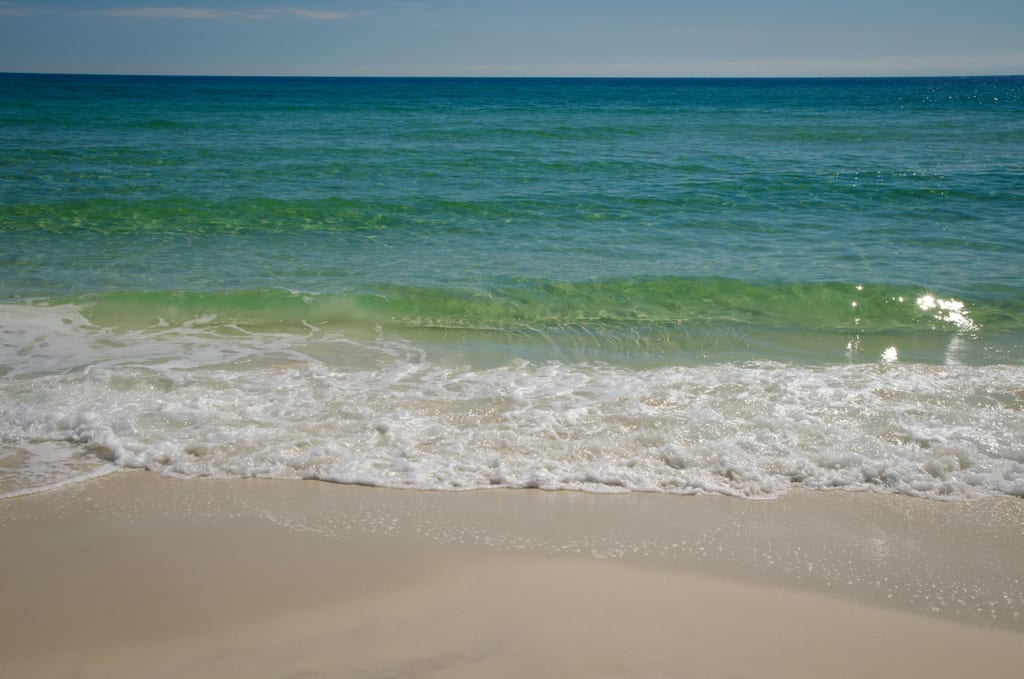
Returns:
<point x="133" y="574"/>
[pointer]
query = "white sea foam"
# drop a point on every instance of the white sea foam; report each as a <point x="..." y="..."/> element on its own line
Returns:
<point x="189" y="402"/>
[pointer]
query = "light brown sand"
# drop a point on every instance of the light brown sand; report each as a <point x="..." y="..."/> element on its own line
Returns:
<point x="138" y="576"/>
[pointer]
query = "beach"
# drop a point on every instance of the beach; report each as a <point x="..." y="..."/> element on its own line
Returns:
<point x="485" y="377"/>
<point x="134" y="575"/>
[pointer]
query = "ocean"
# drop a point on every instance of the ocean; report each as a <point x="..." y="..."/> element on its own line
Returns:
<point x="680" y="286"/>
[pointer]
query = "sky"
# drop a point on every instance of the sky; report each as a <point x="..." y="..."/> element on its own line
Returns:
<point x="514" y="38"/>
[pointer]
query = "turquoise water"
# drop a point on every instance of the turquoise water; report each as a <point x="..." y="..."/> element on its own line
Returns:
<point x="728" y="286"/>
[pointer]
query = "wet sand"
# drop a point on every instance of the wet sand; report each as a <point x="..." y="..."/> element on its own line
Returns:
<point x="134" y="575"/>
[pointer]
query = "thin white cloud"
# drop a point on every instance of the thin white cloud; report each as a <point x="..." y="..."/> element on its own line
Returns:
<point x="205" y="13"/>
<point x="167" y="13"/>
<point x="315" y="14"/>
<point x="13" y="9"/>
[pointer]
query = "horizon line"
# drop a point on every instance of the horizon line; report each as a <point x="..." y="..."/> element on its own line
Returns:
<point x="479" y="76"/>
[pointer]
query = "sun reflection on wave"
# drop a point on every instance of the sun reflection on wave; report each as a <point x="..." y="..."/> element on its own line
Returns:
<point x="948" y="310"/>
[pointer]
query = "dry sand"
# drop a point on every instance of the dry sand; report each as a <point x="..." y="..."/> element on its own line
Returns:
<point x="134" y="575"/>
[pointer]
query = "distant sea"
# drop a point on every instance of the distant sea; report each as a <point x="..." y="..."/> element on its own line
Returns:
<point x="725" y="286"/>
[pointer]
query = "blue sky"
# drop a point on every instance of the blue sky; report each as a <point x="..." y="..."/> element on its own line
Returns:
<point x="525" y="38"/>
